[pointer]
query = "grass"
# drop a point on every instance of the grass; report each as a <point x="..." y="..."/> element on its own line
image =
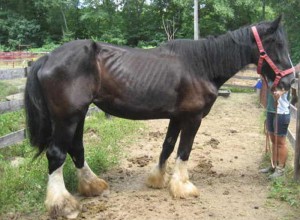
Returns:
<point x="6" y="89"/>
<point x="23" y="188"/>
<point x="286" y="189"/>
<point x="283" y="188"/>
<point x="11" y="121"/>
<point x="238" y="89"/>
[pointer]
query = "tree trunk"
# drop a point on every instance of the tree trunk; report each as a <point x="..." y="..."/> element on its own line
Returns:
<point x="196" y="24"/>
<point x="263" y="9"/>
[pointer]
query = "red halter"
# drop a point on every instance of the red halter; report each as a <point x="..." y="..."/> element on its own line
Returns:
<point x="264" y="56"/>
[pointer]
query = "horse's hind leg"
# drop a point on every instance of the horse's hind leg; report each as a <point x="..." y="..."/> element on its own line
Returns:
<point x="59" y="202"/>
<point x="88" y="183"/>
<point x="180" y="186"/>
<point x="158" y="178"/>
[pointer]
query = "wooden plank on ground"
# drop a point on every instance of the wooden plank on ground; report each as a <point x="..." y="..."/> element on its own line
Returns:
<point x="12" y="138"/>
<point x="11" y="105"/>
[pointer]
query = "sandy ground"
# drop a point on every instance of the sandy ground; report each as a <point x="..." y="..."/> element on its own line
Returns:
<point x="224" y="166"/>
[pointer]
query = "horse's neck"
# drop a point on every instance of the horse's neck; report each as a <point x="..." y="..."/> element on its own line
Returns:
<point x="229" y="62"/>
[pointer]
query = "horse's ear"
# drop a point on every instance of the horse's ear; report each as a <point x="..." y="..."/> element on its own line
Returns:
<point x="275" y="24"/>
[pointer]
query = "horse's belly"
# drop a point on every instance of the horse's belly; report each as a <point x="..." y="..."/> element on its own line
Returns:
<point x="138" y="109"/>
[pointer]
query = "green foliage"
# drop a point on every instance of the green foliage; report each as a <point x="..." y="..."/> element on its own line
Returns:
<point x="283" y="188"/>
<point x="11" y="121"/>
<point x="23" y="188"/>
<point x="48" y="46"/>
<point x="6" y="89"/>
<point x="19" y="31"/>
<point x="286" y="189"/>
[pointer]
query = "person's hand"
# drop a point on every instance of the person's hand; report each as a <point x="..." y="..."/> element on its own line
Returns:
<point x="277" y="94"/>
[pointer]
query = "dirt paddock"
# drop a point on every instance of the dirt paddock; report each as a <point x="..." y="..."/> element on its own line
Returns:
<point x="224" y="165"/>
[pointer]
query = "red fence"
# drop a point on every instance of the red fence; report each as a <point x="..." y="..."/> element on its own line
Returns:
<point x="15" y="59"/>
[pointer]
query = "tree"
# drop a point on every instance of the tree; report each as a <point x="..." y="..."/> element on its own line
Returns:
<point x="196" y="23"/>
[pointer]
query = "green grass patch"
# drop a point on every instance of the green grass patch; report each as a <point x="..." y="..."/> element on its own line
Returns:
<point x="10" y="87"/>
<point x="7" y="89"/>
<point x="23" y="188"/>
<point x="238" y="89"/>
<point x="11" y="121"/>
<point x="283" y="188"/>
<point x="286" y="189"/>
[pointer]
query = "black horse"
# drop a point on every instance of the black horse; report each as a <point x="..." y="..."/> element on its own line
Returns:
<point x="178" y="80"/>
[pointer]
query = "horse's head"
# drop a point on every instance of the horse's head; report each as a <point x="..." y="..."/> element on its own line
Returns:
<point x="272" y="55"/>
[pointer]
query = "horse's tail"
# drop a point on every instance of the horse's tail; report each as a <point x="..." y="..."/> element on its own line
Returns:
<point x="37" y="114"/>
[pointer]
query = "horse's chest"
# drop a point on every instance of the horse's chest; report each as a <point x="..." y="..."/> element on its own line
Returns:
<point x="197" y="98"/>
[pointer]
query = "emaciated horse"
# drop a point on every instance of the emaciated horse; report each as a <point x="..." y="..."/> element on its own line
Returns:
<point x="178" y="81"/>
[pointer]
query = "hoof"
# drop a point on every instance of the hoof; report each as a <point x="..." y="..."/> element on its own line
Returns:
<point x="157" y="179"/>
<point x="92" y="187"/>
<point x="65" y="206"/>
<point x="183" y="189"/>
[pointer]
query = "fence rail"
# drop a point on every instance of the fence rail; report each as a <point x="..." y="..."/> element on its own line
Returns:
<point x="290" y="135"/>
<point x="12" y="138"/>
<point x="12" y="105"/>
<point x="13" y="73"/>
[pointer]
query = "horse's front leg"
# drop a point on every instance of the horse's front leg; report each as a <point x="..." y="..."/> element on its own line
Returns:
<point x="59" y="202"/>
<point x="158" y="177"/>
<point x="180" y="185"/>
<point x="88" y="183"/>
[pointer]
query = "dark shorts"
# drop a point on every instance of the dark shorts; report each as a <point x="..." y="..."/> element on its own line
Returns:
<point x="283" y="121"/>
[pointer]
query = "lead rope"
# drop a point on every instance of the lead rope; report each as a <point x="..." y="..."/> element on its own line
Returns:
<point x="275" y="136"/>
<point x="267" y="137"/>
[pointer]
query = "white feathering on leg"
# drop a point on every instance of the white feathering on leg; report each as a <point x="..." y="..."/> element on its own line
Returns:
<point x="59" y="202"/>
<point x="180" y="186"/>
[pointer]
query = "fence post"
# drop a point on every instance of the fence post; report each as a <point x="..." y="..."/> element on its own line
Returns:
<point x="297" y="147"/>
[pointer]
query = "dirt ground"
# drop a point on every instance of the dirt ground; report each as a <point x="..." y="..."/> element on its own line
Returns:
<point x="224" y="166"/>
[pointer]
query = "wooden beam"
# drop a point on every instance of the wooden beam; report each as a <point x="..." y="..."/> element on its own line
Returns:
<point x="12" y="138"/>
<point x="12" y="73"/>
<point x="11" y="105"/>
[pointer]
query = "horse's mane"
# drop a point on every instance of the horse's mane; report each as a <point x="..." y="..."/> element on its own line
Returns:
<point x="213" y="56"/>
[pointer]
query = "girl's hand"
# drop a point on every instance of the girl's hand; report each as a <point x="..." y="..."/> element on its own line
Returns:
<point x="277" y="94"/>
